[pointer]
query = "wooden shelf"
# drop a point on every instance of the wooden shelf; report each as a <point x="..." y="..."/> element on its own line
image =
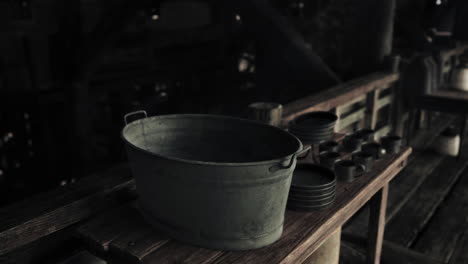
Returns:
<point x="123" y="236"/>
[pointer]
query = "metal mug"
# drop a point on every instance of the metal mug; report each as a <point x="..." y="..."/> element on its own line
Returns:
<point x="266" y="112"/>
<point x="365" y="158"/>
<point x="367" y="134"/>
<point x="331" y="145"/>
<point x="353" y="143"/>
<point x="329" y="158"/>
<point x="348" y="170"/>
<point x="392" y="144"/>
<point x="375" y="148"/>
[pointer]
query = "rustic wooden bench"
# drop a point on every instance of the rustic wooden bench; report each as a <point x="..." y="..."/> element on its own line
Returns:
<point x="122" y="236"/>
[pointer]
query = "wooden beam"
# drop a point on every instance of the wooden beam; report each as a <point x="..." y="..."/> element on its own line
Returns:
<point x="383" y="131"/>
<point x="391" y="252"/>
<point x="337" y="95"/>
<point x="442" y="234"/>
<point x="372" y="109"/>
<point x="378" y="207"/>
<point x="413" y="217"/>
<point x="384" y="101"/>
<point x="420" y="164"/>
<point x="352" y="118"/>
<point x="31" y="219"/>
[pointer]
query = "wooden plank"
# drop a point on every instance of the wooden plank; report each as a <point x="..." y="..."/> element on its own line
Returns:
<point x="348" y="106"/>
<point x="383" y="131"/>
<point x="442" y="103"/>
<point x="384" y="101"/>
<point x="328" y="251"/>
<point x="391" y="252"/>
<point x="405" y="226"/>
<point x="378" y="207"/>
<point x="453" y="52"/>
<point x="451" y="94"/>
<point x="31" y="219"/>
<point x="372" y="109"/>
<point x="442" y="234"/>
<point x="337" y="95"/>
<point x="352" y="118"/>
<point x="136" y="240"/>
<point x="459" y="256"/>
<point x="83" y="257"/>
<point x="350" y="255"/>
<point x="99" y="232"/>
<point x="305" y="231"/>
<point x="420" y="164"/>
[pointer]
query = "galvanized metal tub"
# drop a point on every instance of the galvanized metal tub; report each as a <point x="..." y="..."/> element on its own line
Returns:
<point x="212" y="181"/>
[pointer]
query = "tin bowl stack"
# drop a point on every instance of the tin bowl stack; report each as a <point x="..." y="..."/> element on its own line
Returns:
<point x="313" y="188"/>
<point x="314" y="127"/>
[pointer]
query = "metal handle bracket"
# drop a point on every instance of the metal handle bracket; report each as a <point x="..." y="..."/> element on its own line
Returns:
<point x="143" y="112"/>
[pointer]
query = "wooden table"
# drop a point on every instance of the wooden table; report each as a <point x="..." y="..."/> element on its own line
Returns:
<point x="122" y="236"/>
<point x="445" y="100"/>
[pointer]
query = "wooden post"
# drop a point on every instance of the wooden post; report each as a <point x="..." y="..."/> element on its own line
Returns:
<point x="372" y="110"/>
<point x="378" y="207"/>
<point x="337" y="111"/>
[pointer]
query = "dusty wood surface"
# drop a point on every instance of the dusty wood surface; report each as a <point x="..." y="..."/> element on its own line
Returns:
<point x="372" y="108"/>
<point x="404" y="227"/>
<point x="391" y="252"/>
<point x="420" y="164"/>
<point x="377" y="207"/>
<point x="444" y="230"/>
<point x="338" y="95"/>
<point x="350" y="255"/>
<point x="441" y="103"/>
<point x="459" y="256"/>
<point x="36" y="217"/>
<point x="303" y="232"/>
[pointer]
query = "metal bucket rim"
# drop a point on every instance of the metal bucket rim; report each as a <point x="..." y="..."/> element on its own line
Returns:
<point x="210" y="163"/>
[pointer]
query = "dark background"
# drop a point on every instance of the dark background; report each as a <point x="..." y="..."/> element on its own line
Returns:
<point x="70" y="70"/>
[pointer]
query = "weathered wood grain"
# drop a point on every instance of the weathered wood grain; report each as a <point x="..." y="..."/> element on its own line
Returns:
<point x="377" y="207"/>
<point x="337" y="95"/>
<point x="442" y="234"/>
<point x="31" y="219"/>
<point x="350" y="255"/>
<point x="391" y="252"/>
<point x="420" y="164"/>
<point x="372" y="109"/>
<point x="308" y="230"/>
<point x="460" y="256"/>
<point x="83" y="257"/>
<point x="405" y="226"/>
<point x="100" y="231"/>
<point x="135" y="241"/>
<point x="303" y="232"/>
<point x="352" y="118"/>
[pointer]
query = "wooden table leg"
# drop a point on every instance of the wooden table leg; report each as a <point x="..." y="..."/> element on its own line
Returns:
<point x="462" y="133"/>
<point x="410" y="125"/>
<point x="378" y="207"/>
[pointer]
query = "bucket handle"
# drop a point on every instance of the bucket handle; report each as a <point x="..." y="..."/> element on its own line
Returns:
<point x="134" y="113"/>
<point x="301" y="154"/>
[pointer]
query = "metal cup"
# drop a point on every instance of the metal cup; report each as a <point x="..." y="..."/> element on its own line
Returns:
<point x="328" y="159"/>
<point x="367" y="134"/>
<point x="392" y="144"/>
<point x="266" y="112"/>
<point x="353" y="143"/>
<point x="329" y="146"/>
<point x="348" y="170"/>
<point x="375" y="148"/>
<point x="364" y="158"/>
